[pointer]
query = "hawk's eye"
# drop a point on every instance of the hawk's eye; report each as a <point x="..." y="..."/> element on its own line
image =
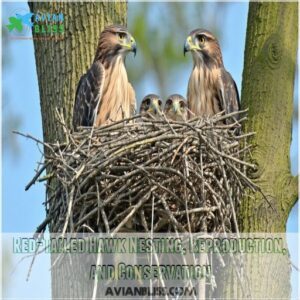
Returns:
<point x="122" y="35"/>
<point x="169" y="102"/>
<point x="182" y="104"/>
<point x="147" y="101"/>
<point x="159" y="102"/>
<point x="201" y="39"/>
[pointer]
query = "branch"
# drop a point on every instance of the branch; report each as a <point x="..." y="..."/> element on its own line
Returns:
<point x="35" y="178"/>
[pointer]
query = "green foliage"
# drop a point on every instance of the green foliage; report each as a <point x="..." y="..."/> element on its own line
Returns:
<point x="160" y="30"/>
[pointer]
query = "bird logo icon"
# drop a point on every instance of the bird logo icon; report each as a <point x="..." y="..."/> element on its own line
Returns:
<point x="15" y="23"/>
<point x="18" y="21"/>
<point x="26" y="19"/>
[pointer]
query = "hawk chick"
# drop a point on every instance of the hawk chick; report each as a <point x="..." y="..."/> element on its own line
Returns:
<point x="151" y="104"/>
<point x="176" y="108"/>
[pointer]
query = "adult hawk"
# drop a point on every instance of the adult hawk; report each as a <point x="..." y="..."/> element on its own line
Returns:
<point x="176" y="108"/>
<point x="151" y="105"/>
<point x="104" y="94"/>
<point x="211" y="88"/>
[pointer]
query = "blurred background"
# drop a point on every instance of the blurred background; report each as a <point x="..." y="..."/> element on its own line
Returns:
<point x="159" y="67"/>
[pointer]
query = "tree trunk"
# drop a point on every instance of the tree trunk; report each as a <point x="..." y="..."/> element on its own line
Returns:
<point x="268" y="87"/>
<point x="267" y="90"/>
<point x="60" y="65"/>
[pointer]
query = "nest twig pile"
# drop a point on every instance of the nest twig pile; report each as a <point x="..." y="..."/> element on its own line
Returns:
<point x="148" y="175"/>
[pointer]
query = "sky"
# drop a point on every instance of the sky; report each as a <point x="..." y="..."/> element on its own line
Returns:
<point x="23" y="211"/>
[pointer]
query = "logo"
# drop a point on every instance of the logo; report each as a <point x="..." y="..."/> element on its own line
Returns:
<point x="43" y="25"/>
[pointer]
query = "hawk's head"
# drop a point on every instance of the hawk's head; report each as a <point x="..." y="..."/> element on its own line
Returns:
<point x="151" y="104"/>
<point x="114" y="41"/>
<point x="205" y="48"/>
<point x="176" y="108"/>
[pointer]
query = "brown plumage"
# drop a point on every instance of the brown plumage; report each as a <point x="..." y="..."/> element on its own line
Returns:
<point x="211" y="88"/>
<point x="176" y="108"/>
<point x="151" y="106"/>
<point x="104" y="94"/>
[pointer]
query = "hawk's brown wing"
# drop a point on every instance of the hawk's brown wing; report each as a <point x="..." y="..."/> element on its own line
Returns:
<point x="132" y="98"/>
<point x="230" y="101"/>
<point x="88" y="96"/>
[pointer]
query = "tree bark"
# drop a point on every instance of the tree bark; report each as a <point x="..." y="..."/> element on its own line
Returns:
<point x="60" y="64"/>
<point x="267" y="90"/>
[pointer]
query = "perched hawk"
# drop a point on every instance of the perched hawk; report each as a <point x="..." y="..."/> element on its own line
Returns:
<point x="176" y="108"/>
<point x="151" y="104"/>
<point x="211" y="88"/>
<point x="104" y="94"/>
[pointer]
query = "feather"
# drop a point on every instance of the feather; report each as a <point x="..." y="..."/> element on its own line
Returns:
<point x="132" y="99"/>
<point x="88" y="96"/>
<point x="230" y="96"/>
<point x="118" y="98"/>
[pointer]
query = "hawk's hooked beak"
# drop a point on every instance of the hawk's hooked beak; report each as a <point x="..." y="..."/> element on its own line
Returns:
<point x="130" y="45"/>
<point x="133" y="45"/>
<point x="134" y="49"/>
<point x="154" y="107"/>
<point x="176" y="107"/>
<point x="189" y="45"/>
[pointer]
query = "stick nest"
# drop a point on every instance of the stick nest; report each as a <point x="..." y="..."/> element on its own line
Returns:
<point x="144" y="175"/>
